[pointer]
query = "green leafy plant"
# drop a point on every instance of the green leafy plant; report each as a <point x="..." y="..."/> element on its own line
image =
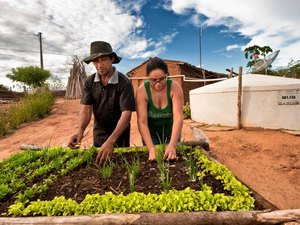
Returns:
<point x="133" y="170"/>
<point x="190" y="164"/>
<point x="164" y="168"/>
<point x="107" y="169"/>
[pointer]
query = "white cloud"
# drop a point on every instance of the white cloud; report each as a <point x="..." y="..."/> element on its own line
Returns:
<point x="68" y="28"/>
<point x="232" y="47"/>
<point x="269" y="22"/>
<point x="139" y="47"/>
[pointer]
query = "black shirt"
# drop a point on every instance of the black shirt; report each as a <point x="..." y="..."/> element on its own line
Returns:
<point x="108" y="103"/>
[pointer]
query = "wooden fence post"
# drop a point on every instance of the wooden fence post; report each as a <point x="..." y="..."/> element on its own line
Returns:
<point x="230" y="73"/>
<point x="239" y="100"/>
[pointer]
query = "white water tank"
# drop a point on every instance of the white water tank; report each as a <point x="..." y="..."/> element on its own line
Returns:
<point x="267" y="102"/>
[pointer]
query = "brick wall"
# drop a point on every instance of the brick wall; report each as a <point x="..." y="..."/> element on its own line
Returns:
<point x="187" y="86"/>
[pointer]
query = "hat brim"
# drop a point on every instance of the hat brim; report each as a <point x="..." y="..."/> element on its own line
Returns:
<point x="90" y="58"/>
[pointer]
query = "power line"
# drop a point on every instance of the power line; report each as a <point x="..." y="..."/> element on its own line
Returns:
<point x="49" y="53"/>
<point x="7" y="34"/>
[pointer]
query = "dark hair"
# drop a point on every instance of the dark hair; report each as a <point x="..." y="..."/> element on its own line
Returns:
<point x="156" y="63"/>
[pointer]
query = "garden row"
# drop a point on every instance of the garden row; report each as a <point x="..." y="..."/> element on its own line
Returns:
<point x="29" y="178"/>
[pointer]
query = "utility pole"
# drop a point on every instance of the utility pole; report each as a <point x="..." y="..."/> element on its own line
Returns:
<point x="41" y="50"/>
<point x="200" y="51"/>
<point x="200" y="45"/>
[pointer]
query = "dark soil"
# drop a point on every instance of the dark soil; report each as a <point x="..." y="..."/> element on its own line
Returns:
<point x="88" y="180"/>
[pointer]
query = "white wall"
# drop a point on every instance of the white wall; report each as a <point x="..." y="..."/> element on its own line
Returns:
<point x="214" y="108"/>
<point x="259" y="109"/>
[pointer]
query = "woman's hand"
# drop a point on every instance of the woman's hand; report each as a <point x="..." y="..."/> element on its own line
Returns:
<point x="170" y="153"/>
<point x="151" y="154"/>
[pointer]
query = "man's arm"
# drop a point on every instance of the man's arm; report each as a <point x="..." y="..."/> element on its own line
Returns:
<point x="84" y="120"/>
<point x="108" y="145"/>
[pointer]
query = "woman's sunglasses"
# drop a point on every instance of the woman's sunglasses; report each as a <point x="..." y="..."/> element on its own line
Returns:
<point x="158" y="80"/>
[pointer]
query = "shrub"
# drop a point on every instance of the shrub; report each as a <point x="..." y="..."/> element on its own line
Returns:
<point x="3" y="129"/>
<point x="3" y="88"/>
<point x="31" y="107"/>
<point x="187" y="111"/>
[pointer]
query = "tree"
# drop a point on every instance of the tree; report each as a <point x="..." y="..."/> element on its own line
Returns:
<point x="253" y="52"/>
<point x="3" y="88"/>
<point x="292" y="70"/>
<point x="31" y="76"/>
<point x="56" y="83"/>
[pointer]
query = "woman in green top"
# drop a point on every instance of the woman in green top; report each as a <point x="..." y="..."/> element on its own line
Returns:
<point x="159" y="104"/>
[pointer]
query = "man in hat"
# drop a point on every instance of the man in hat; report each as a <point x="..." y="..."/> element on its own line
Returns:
<point x="108" y="94"/>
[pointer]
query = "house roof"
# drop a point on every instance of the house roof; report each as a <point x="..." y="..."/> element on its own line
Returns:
<point x="185" y="68"/>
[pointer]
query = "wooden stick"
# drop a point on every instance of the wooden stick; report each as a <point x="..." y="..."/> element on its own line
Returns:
<point x="230" y="73"/>
<point x="279" y="216"/>
<point x="239" y="100"/>
<point x="186" y="218"/>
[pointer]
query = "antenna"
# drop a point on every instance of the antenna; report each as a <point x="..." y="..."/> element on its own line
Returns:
<point x="263" y="64"/>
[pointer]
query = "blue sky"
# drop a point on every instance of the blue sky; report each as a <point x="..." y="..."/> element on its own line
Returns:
<point x="139" y="29"/>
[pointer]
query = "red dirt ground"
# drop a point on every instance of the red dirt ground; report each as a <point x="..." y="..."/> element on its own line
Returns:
<point x="265" y="160"/>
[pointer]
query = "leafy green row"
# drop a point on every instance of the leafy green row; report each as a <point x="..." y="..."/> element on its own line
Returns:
<point x="59" y="160"/>
<point x="173" y="201"/>
<point x="85" y="156"/>
<point x="14" y="180"/>
<point x="241" y="198"/>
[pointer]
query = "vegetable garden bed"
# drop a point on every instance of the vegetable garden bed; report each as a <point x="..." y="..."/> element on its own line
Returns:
<point x="65" y="182"/>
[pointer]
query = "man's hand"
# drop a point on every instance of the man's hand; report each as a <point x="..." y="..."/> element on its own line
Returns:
<point x="105" y="152"/>
<point x="75" y="140"/>
<point x="170" y="153"/>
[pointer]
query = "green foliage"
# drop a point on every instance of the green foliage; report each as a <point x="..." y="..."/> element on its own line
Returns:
<point x="3" y="88"/>
<point x="3" y="127"/>
<point x="48" y="163"/>
<point x="31" y="107"/>
<point x="187" y="111"/>
<point x="256" y="50"/>
<point x="106" y="169"/>
<point x="190" y="165"/>
<point x="292" y="70"/>
<point x="241" y="199"/>
<point x="164" y="168"/>
<point x="133" y="170"/>
<point x="31" y="76"/>
<point x="16" y="171"/>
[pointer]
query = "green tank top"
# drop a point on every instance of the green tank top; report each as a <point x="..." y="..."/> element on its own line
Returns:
<point x="160" y="121"/>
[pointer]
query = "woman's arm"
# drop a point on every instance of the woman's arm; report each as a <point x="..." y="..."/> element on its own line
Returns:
<point x="177" y="103"/>
<point x="142" y="119"/>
